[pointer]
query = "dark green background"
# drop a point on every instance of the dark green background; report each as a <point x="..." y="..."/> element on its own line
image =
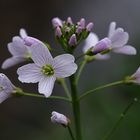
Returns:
<point x="29" y="118"/>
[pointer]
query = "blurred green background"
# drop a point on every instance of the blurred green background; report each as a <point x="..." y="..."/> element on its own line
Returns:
<point x="28" y="118"/>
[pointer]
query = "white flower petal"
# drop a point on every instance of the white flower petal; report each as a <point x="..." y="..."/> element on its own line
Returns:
<point x="46" y="85"/>
<point x="23" y="33"/>
<point x="102" y="57"/>
<point x="29" y="73"/>
<point x="91" y="41"/>
<point x="137" y="80"/>
<point x="12" y="61"/>
<point x="64" y="65"/>
<point x="6" y="83"/>
<point x="40" y="54"/>
<point x="128" y="50"/>
<point x="119" y="38"/>
<point x="137" y="73"/>
<point x="4" y="96"/>
<point x="112" y="27"/>
<point x="17" y="47"/>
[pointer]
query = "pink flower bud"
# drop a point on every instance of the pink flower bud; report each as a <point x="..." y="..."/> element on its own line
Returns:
<point x="102" y="45"/>
<point x="58" y="32"/>
<point x="73" y="40"/>
<point x="82" y="23"/>
<point x="89" y="27"/>
<point x="58" y="118"/>
<point x="56" y="22"/>
<point x="79" y="30"/>
<point x="69" y="21"/>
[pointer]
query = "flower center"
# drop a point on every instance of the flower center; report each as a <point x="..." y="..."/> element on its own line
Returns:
<point x="28" y="56"/>
<point x="47" y="70"/>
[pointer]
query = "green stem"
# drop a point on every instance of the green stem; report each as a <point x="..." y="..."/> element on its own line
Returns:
<point x="121" y="118"/>
<point x="70" y="132"/>
<point x="64" y="85"/>
<point x="82" y="65"/>
<point x="99" y="88"/>
<point x="21" y="93"/>
<point x="76" y="107"/>
<point x="77" y="58"/>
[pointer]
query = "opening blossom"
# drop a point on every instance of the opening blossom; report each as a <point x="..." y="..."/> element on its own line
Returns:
<point x="135" y="78"/>
<point x="119" y="39"/>
<point x="19" y="49"/>
<point x="92" y="42"/>
<point x="46" y="69"/>
<point x="59" y="118"/>
<point x="6" y="87"/>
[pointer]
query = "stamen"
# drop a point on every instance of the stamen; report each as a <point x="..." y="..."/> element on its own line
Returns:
<point x="47" y="70"/>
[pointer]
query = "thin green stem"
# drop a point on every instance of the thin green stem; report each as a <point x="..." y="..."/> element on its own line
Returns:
<point x="64" y="85"/>
<point x="76" y="107"/>
<point x="21" y="93"/>
<point x="82" y="65"/>
<point x="70" y="132"/>
<point x="80" y="56"/>
<point x="121" y="118"/>
<point x="99" y="88"/>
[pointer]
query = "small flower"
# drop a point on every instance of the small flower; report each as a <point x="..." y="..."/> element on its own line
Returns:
<point x="6" y="87"/>
<point x="135" y="78"/>
<point x="19" y="52"/>
<point x="19" y="49"/>
<point x="82" y="23"/>
<point x="119" y="39"/>
<point x="79" y="30"/>
<point x="73" y="40"/>
<point x="58" y="118"/>
<point x="89" y="27"/>
<point x="93" y="41"/>
<point x="56" y="22"/>
<point x="69" y="21"/>
<point x="46" y="69"/>
<point x="58" y="32"/>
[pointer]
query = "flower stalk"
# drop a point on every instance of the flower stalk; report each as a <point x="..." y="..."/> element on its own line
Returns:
<point x="22" y="93"/>
<point x="76" y="107"/>
<point x="70" y="132"/>
<point x="121" y="118"/>
<point x="99" y="88"/>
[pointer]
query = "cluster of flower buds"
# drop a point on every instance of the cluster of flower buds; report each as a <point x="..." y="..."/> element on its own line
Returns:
<point x="69" y="34"/>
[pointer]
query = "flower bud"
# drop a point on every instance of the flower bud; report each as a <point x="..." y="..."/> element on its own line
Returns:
<point x="58" y="32"/>
<point x="79" y="30"/>
<point x="73" y="40"/>
<point x="23" y="33"/>
<point x="56" y="22"/>
<point x="82" y="23"/>
<point x="69" y="21"/>
<point x="89" y="27"/>
<point x="29" y="41"/>
<point x="58" y="118"/>
<point x="102" y="45"/>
